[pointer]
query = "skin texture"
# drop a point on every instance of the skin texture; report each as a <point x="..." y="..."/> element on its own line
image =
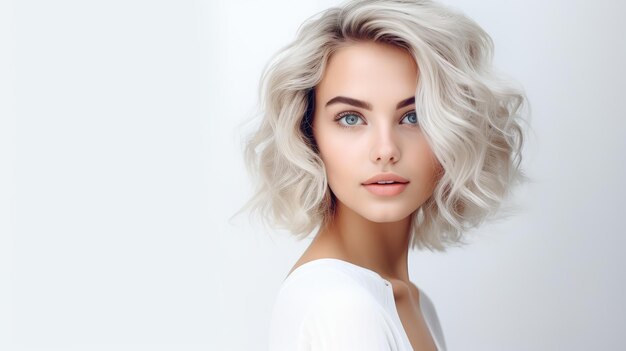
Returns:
<point x="355" y="144"/>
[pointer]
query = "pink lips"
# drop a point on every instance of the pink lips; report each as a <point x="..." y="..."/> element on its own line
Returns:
<point x="386" y="189"/>
<point x="397" y="185"/>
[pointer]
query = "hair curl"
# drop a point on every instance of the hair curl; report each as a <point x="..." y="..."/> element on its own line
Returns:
<point x="468" y="113"/>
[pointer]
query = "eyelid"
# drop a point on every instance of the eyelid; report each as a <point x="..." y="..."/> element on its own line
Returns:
<point x="345" y="113"/>
<point x="409" y="111"/>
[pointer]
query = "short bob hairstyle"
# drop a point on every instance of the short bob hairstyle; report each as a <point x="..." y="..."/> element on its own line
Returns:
<point x="468" y="114"/>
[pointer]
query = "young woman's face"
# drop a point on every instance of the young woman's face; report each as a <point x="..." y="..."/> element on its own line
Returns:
<point x="365" y="126"/>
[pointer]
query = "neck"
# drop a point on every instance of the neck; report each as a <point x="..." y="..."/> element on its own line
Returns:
<point x="381" y="247"/>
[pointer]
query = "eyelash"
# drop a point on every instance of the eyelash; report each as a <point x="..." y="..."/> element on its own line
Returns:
<point x="341" y="115"/>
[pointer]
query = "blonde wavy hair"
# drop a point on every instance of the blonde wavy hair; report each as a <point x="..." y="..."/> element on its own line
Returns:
<point x="469" y="114"/>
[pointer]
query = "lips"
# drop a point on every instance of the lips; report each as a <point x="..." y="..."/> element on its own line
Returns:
<point x="386" y="178"/>
<point x="386" y="184"/>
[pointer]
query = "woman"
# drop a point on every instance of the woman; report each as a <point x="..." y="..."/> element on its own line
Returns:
<point x="384" y="128"/>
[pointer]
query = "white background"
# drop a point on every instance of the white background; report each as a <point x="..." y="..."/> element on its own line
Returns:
<point x="121" y="164"/>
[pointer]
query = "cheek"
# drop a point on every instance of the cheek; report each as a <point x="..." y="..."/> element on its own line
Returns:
<point x="341" y="156"/>
<point x="425" y="165"/>
<point x="337" y="161"/>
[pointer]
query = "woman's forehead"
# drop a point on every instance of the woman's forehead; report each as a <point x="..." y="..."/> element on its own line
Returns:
<point x="369" y="71"/>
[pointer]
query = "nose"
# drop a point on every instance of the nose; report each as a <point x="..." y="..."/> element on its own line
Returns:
<point x="385" y="148"/>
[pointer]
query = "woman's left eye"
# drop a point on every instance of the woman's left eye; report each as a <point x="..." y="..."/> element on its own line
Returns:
<point x="410" y="118"/>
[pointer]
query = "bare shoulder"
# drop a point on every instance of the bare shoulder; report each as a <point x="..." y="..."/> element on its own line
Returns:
<point x="422" y="296"/>
<point x="429" y="311"/>
<point x="321" y="247"/>
<point x="415" y="291"/>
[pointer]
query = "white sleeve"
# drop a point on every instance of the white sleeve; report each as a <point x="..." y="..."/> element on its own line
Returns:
<point x="346" y="321"/>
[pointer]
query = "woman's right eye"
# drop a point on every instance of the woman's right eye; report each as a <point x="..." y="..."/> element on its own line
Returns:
<point x="347" y="119"/>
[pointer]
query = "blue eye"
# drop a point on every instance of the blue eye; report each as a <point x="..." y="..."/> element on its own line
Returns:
<point x="411" y="117"/>
<point x="350" y="119"/>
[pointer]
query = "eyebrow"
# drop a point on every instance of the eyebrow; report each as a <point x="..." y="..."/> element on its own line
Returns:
<point x="366" y="105"/>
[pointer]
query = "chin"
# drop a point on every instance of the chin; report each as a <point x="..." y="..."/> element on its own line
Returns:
<point x="389" y="215"/>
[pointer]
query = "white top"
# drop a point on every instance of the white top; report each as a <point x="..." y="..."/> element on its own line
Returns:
<point x="330" y="304"/>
